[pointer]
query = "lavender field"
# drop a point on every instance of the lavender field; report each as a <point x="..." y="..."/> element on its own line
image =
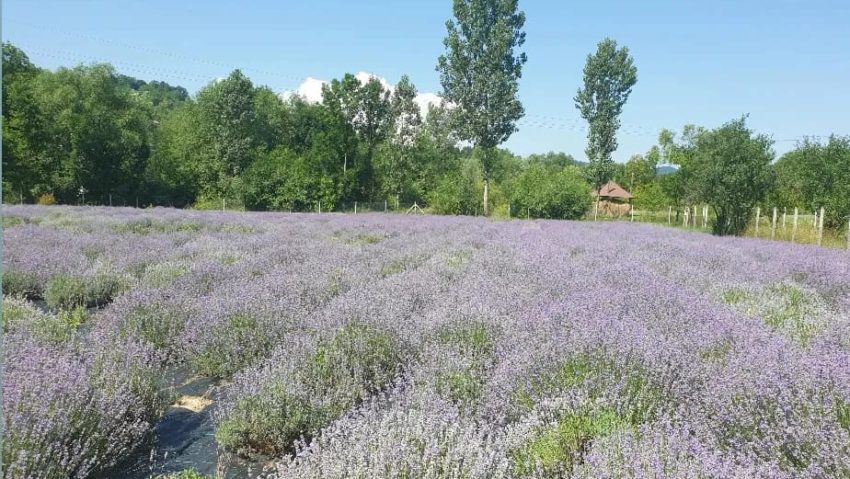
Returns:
<point x="392" y="346"/>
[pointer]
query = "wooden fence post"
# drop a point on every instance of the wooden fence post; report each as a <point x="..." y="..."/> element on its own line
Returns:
<point x="794" y="227"/>
<point x="773" y="225"/>
<point x="685" y="217"/>
<point x="758" y="217"/>
<point x="669" y="215"/>
<point x="632" y="212"/>
<point x="820" y="226"/>
<point x="385" y="206"/>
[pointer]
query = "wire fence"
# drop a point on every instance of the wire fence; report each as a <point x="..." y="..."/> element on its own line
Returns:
<point x="779" y="224"/>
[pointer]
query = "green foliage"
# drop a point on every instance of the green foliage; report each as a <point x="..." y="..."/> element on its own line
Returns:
<point x="358" y="361"/>
<point x="147" y="225"/>
<point x="546" y="193"/>
<point x="460" y="386"/>
<point x="464" y="383"/>
<point x="240" y="341"/>
<point x="783" y="307"/>
<point x="458" y="194"/>
<point x="268" y="423"/>
<point x="400" y="265"/>
<point x="21" y="283"/>
<point x="730" y="170"/>
<point x="280" y="180"/>
<point x="555" y="450"/>
<point x="470" y="339"/>
<point x="816" y="175"/>
<point x="650" y="197"/>
<point x="596" y="374"/>
<point x="158" y="324"/>
<point x="67" y="291"/>
<point x="53" y="328"/>
<point x="609" y="76"/>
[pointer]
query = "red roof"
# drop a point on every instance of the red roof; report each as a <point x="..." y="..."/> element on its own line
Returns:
<point x="613" y="190"/>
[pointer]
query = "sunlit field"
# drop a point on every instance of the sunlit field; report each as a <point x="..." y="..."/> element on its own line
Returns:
<point x="404" y="346"/>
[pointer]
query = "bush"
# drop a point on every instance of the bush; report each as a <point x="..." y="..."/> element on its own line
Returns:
<point x="235" y="343"/>
<point x="21" y="283"/>
<point x="70" y="414"/>
<point x="19" y="314"/>
<point x="46" y="199"/>
<point x="542" y="192"/>
<point x="555" y="450"/>
<point x="159" y="324"/>
<point x="463" y="381"/>
<point x="65" y="291"/>
<point x="358" y="361"/>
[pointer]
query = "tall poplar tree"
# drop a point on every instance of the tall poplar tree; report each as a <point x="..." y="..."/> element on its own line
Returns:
<point x="480" y="74"/>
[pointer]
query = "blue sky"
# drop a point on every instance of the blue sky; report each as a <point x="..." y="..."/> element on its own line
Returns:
<point x="784" y="62"/>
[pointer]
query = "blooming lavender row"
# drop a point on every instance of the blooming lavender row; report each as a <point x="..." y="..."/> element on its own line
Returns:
<point x="398" y="346"/>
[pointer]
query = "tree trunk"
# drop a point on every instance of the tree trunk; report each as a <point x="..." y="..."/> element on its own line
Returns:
<point x="486" y="196"/>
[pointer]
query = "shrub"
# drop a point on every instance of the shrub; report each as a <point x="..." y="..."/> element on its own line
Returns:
<point x="70" y="414"/>
<point x="46" y="199"/>
<point x="21" y="283"/>
<point x="160" y="324"/>
<point x="237" y="342"/>
<point x="358" y="361"/>
<point x="542" y="192"/>
<point x="598" y="376"/>
<point x="462" y="382"/>
<point x="554" y="450"/>
<point x="10" y="221"/>
<point x="66" y="291"/>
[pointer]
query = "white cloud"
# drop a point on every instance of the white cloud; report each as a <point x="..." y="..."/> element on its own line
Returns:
<point x="311" y="90"/>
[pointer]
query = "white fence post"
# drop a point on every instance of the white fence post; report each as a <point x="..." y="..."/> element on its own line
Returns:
<point x="685" y="217"/>
<point x="784" y="212"/>
<point x="773" y="225"/>
<point x="355" y="207"/>
<point x="820" y="226"/>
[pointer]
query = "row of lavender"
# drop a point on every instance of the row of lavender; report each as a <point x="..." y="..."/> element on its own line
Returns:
<point x="393" y="346"/>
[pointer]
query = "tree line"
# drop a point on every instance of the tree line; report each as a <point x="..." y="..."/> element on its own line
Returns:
<point x="90" y="134"/>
